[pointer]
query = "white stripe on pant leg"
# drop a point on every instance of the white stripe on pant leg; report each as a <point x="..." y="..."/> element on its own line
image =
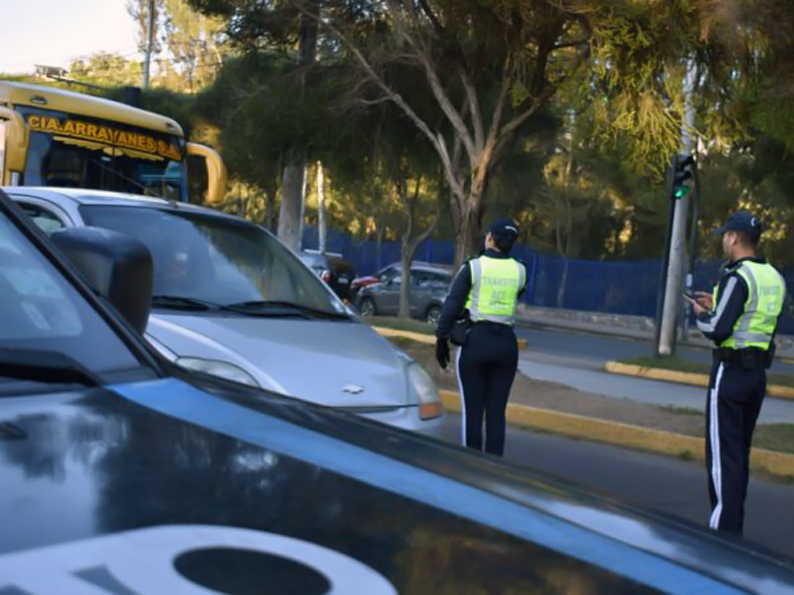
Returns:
<point x="462" y="397"/>
<point x="716" y="462"/>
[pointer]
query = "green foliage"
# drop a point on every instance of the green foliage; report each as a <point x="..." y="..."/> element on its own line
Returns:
<point x="626" y="92"/>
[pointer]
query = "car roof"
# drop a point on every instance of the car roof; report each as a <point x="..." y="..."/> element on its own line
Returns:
<point x="82" y="196"/>
<point x="424" y="266"/>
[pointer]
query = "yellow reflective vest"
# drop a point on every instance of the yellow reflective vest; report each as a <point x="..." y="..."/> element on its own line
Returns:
<point x="495" y="285"/>
<point x="766" y="293"/>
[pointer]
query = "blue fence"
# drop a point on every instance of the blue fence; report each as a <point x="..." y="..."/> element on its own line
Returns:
<point x="613" y="287"/>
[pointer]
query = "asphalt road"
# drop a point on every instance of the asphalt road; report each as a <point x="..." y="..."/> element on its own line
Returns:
<point x="587" y="350"/>
<point x="654" y="482"/>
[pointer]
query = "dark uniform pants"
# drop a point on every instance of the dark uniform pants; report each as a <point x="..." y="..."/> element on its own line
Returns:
<point x="486" y="367"/>
<point x="732" y="408"/>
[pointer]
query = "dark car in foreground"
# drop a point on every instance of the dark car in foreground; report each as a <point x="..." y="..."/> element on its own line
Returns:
<point x="122" y="473"/>
<point x="429" y="287"/>
<point x="333" y="269"/>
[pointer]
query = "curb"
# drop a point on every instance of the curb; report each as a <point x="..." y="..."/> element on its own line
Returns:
<point x="422" y="338"/>
<point x="779" y="392"/>
<point x="625" y="435"/>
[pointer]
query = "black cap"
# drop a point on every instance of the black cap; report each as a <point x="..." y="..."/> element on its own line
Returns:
<point x="742" y="221"/>
<point x="504" y="227"/>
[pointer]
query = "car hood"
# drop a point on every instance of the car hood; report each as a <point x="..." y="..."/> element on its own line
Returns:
<point x="232" y="488"/>
<point x="333" y="363"/>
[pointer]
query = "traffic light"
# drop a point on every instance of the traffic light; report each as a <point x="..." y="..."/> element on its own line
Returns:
<point x="682" y="171"/>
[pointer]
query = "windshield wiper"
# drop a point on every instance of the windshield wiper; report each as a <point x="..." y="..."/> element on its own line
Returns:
<point x="115" y="172"/>
<point x="280" y="308"/>
<point x="179" y="302"/>
<point x="41" y="365"/>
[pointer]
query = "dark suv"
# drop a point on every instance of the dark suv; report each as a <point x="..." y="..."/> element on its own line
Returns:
<point x="333" y="269"/>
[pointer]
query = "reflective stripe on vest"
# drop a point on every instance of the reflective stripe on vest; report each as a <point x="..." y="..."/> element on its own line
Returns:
<point x="766" y="292"/>
<point x="496" y="283"/>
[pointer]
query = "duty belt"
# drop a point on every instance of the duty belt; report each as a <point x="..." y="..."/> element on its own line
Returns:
<point x="747" y="359"/>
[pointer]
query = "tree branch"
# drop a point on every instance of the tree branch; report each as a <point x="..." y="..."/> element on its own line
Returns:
<point x="437" y="140"/>
<point x="440" y="31"/>
<point x="474" y="106"/>
<point x="439" y="93"/>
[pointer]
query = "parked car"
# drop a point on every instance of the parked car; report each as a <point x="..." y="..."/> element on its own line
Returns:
<point x="429" y="287"/>
<point x="123" y="473"/>
<point x="382" y="275"/>
<point x="333" y="269"/>
<point x="231" y="300"/>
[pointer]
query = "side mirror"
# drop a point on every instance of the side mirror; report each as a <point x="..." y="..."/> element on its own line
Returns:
<point x="115" y="265"/>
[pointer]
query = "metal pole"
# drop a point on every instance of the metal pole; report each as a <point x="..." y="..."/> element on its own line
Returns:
<point x="693" y="244"/>
<point x="675" y="270"/>
<point x="665" y="265"/>
<point x="149" y="46"/>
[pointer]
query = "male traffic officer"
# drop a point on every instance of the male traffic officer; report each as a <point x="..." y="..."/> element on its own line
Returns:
<point x="487" y="289"/>
<point x="741" y="318"/>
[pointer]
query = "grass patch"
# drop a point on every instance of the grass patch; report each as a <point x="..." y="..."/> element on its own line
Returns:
<point x="679" y="365"/>
<point x="668" y="363"/>
<point x="778" y="437"/>
<point x="681" y="410"/>
<point x="414" y="326"/>
<point x="686" y="455"/>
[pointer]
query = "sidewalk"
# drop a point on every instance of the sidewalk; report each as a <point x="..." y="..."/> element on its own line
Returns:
<point x="615" y="325"/>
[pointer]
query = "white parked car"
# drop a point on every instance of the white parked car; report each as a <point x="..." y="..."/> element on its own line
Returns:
<point x="231" y="300"/>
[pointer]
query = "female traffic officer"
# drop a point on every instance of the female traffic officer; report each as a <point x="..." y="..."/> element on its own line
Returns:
<point x="485" y="291"/>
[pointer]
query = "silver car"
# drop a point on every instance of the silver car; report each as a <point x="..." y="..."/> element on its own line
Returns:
<point x="429" y="287"/>
<point x="231" y="300"/>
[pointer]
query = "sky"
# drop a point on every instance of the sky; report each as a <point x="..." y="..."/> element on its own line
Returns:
<point x="54" y="32"/>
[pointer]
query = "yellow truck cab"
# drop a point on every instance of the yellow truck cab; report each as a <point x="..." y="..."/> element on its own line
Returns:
<point x="54" y="137"/>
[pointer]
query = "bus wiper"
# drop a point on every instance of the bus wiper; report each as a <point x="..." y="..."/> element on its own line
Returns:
<point x="260" y="307"/>
<point x="179" y="302"/>
<point x="128" y="179"/>
<point x="41" y="365"/>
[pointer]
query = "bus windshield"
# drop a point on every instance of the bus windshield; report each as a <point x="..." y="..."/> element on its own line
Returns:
<point x="81" y="152"/>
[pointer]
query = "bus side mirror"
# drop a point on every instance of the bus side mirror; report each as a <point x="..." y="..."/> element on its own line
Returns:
<point x="115" y="265"/>
<point x="17" y="140"/>
<point x="216" y="171"/>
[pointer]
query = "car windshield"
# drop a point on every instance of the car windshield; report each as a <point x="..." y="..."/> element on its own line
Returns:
<point x="213" y="259"/>
<point x="42" y="313"/>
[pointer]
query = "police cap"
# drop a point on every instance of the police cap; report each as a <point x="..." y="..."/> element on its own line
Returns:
<point x="504" y="228"/>
<point x="744" y="222"/>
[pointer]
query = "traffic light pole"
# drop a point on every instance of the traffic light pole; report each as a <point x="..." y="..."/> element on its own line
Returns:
<point x="675" y="269"/>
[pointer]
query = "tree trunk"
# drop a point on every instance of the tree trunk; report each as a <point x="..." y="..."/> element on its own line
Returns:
<point x="290" y="221"/>
<point x="563" y="282"/>
<point x="468" y="231"/>
<point x="292" y="187"/>
<point x="379" y="246"/>
<point x="270" y="200"/>
<point x="406" y="258"/>
<point x="322" y="230"/>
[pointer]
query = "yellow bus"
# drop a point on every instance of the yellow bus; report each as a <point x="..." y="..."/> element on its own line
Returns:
<point x="54" y="137"/>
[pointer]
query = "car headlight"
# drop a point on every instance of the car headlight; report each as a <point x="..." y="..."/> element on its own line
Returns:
<point x="221" y="369"/>
<point x="429" y="402"/>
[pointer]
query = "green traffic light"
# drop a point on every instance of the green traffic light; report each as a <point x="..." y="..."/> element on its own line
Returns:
<point x="681" y="191"/>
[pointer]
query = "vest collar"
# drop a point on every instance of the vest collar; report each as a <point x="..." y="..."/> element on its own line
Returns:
<point x="730" y="267"/>
<point x="490" y="253"/>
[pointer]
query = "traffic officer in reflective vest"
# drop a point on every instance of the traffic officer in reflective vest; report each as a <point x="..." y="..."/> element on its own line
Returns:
<point x="741" y="318"/>
<point x="485" y="291"/>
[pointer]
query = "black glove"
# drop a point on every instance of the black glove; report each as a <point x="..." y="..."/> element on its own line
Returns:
<point x="442" y="353"/>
